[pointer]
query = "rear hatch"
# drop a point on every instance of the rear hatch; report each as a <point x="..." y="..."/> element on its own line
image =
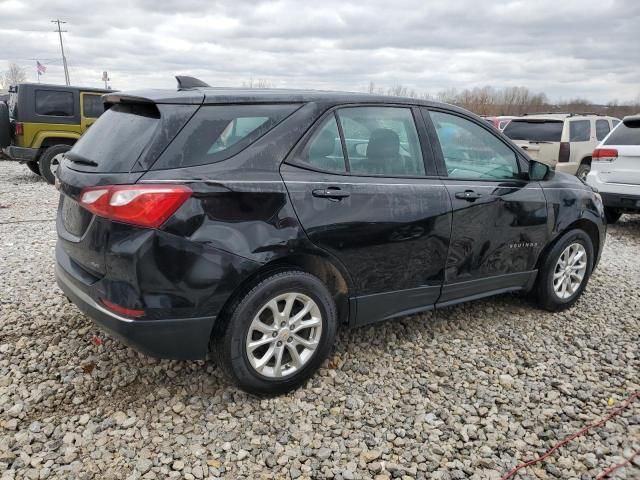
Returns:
<point x="625" y="169"/>
<point x="117" y="150"/>
<point x="540" y="138"/>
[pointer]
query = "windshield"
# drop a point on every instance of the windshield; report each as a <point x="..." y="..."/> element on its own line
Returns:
<point x="534" y="130"/>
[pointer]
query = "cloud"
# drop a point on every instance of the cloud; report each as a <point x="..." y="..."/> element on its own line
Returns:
<point x="566" y="49"/>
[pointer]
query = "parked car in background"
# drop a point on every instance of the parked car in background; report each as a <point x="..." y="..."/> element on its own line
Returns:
<point x="499" y="122"/>
<point x="42" y="121"/>
<point x="252" y="223"/>
<point x="564" y="141"/>
<point x="615" y="170"/>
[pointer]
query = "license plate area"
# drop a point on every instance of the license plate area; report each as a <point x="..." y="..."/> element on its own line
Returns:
<point x="75" y="219"/>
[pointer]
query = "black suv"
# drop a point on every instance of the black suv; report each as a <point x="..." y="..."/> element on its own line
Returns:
<point x="253" y="223"/>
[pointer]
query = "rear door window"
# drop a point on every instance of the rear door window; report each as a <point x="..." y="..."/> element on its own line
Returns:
<point x="602" y="129"/>
<point x="381" y="141"/>
<point x="534" y="130"/>
<point x="217" y="132"/>
<point x="579" y="130"/>
<point x="54" y="103"/>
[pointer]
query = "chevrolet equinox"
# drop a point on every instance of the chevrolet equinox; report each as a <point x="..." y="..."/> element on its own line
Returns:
<point x="251" y="224"/>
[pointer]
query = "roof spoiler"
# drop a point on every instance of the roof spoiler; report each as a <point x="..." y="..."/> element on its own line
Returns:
<point x="189" y="82"/>
<point x="632" y="121"/>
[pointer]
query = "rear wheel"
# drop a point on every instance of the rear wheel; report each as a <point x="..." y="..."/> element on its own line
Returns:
<point x="612" y="214"/>
<point x="34" y="167"/>
<point x="583" y="171"/>
<point x="49" y="161"/>
<point x="278" y="334"/>
<point x="565" y="271"/>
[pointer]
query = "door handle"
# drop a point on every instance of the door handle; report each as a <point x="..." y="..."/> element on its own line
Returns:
<point x="332" y="193"/>
<point x="468" y="195"/>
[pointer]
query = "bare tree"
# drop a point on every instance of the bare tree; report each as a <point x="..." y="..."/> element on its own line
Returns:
<point x="15" y="75"/>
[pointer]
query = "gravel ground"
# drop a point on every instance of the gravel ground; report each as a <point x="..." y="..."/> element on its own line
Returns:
<point x="466" y="393"/>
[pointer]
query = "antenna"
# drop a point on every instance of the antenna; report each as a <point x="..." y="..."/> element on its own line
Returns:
<point x="64" y="59"/>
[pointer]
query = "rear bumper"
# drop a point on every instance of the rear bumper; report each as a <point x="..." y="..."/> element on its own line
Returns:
<point x="179" y="339"/>
<point x="619" y="200"/>
<point x="21" y="154"/>
<point x="616" y="195"/>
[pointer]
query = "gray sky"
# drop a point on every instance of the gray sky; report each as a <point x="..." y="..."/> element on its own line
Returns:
<point x="565" y="48"/>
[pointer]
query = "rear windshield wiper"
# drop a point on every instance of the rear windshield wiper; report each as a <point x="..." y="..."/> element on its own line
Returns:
<point x="74" y="158"/>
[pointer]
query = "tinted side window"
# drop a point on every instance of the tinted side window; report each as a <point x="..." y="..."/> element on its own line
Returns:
<point x="579" y="130"/>
<point x="614" y="123"/>
<point x="470" y="151"/>
<point x="217" y="132"/>
<point x="381" y="141"/>
<point x="54" y="103"/>
<point x="92" y="105"/>
<point x="324" y="150"/>
<point x="602" y="128"/>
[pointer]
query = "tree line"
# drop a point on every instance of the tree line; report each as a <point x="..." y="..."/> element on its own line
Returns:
<point x="511" y="101"/>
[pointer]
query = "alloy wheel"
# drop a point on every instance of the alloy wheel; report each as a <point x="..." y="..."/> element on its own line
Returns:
<point x="570" y="270"/>
<point x="284" y="335"/>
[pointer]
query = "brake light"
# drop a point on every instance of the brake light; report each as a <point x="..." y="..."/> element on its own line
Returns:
<point x="604" y="154"/>
<point x="19" y="128"/>
<point x="143" y="205"/>
<point x="565" y="152"/>
<point x="129" y="312"/>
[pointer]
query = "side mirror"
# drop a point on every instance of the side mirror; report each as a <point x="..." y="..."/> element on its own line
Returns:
<point x="538" y="170"/>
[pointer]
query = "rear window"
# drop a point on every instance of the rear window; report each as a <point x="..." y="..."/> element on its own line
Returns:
<point x="534" y="130"/>
<point x="54" y="103"/>
<point x="624" y="135"/>
<point x="218" y="132"/>
<point x="116" y="140"/>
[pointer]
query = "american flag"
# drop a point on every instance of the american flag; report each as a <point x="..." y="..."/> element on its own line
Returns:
<point x="41" y="68"/>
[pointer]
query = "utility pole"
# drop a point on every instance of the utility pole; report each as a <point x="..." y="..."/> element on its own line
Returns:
<point x="64" y="59"/>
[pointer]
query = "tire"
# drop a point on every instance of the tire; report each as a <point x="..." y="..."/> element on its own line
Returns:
<point x="544" y="291"/>
<point x="48" y="161"/>
<point x="612" y="214"/>
<point x="231" y="339"/>
<point x="34" y="166"/>
<point x="583" y="171"/>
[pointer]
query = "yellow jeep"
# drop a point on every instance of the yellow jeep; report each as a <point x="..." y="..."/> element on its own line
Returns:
<point x="42" y="121"/>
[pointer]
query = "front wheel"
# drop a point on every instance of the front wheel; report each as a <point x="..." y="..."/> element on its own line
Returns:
<point x="278" y="334"/>
<point x="50" y="161"/>
<point x="565" y="271"/>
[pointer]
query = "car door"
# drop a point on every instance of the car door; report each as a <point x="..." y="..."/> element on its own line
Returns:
<point x="366" y="193"/>
<point x="499" y="218"/>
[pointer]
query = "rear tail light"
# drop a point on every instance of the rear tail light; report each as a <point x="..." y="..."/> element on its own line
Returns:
<point x="19" y="128"/>
<point x="129" y="312"/>
<point x="143" y="205"/>
<point x="604" y="154"/>
<point x="565" y="152"/>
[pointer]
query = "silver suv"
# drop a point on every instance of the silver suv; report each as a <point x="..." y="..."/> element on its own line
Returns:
<point x="564" y="141"/>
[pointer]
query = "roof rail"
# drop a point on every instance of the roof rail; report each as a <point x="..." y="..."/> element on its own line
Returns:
<point x="185" y="82"/>
<point x="546" y="113"/>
